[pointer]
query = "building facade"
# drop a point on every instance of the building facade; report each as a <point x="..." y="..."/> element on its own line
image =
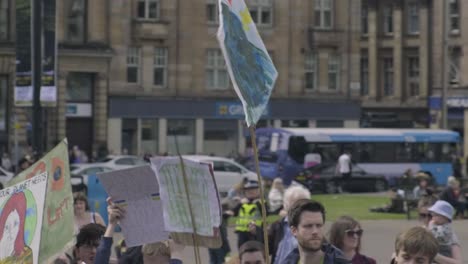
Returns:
<point x="139" y="76"/>
<point x="395" y="62"/>
<point x="170" y="84"/>
<point x="84" y="58"/>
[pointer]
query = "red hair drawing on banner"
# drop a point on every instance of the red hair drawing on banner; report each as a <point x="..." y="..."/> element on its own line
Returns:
<point x="13" y="248"/>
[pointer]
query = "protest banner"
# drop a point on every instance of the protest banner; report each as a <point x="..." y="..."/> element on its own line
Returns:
<point x="190" y="201"/>
<point x="57" y="228"/>
<point x="251" y="69"/>
<point x="21" y="212"/>
<point x="137" y="190"/>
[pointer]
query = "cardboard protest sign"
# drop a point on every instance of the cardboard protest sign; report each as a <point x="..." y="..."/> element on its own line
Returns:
<point x="203" y="196"/>
<point x="21" y="211"/>
<point x="57" y="228"/>
<point x="137" y="190"/>
<point x="204" y="201"/>
<point x="249" y="65"/>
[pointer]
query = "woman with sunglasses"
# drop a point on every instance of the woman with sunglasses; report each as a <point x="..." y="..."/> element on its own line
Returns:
<point x="425" y="217"/>
<point x="346" y="234"/>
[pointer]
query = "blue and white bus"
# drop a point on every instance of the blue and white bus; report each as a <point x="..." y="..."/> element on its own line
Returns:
<point x="388" y="152"/>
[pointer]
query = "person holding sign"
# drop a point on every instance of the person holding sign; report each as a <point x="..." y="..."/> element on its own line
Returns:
<point x="248" y="213"/>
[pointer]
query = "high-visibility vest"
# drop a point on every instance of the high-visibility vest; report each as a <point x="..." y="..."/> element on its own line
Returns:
<point x="247" y="214"/>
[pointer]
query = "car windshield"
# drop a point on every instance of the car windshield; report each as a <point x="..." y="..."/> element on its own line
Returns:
<point x="105" y="160"/>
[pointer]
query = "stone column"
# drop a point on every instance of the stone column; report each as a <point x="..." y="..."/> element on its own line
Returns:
<point x="97" y="20"/>
<point x="424" y="51"/>
<point x="240" y="137"/>
<point x="61" y="104"/>
<point x="199" y="135"/>
<point x="114" y="138"/>
<point x="162" y="135"/>
<point x="373" y="52"/>
<point x="398" y="55"/>
<point x="276" y="123"/>
<point x="100" y="109"/>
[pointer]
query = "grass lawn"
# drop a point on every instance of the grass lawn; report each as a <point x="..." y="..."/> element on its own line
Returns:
<point x="356" y="206"/>
<point x="353" y="205"/>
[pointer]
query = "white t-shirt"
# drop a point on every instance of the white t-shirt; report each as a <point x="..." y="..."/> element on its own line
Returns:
<point x="344" y="162"/>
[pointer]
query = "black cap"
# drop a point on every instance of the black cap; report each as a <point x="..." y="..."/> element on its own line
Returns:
<point x="251" y="185"/>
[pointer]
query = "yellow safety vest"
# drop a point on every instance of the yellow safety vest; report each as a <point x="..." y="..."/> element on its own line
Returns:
<point x="247" y="214"/>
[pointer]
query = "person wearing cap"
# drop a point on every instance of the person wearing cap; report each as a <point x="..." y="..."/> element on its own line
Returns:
<point x="249" y="215"/>
<point x="441" y="227"/>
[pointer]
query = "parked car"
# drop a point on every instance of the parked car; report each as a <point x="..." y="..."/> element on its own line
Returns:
<point x="324" y="178"/>
<point x="227" y="172"/>
<point x="118" y="162"/>
<point x="84" y="170"/>
<point x="5" y="176"/>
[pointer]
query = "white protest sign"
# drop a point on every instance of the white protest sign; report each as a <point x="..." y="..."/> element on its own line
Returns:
<point x="21" y="211"/>
<point x="204" y="201"/>
<point x="137" y="190"/>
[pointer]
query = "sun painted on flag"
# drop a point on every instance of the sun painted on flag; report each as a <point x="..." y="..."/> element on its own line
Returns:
<point x="249" y="65"/>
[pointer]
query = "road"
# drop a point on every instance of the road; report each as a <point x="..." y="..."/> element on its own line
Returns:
<point x="378" y="239"/>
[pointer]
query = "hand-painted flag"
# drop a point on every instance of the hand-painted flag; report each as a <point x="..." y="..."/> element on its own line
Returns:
<point x="250" y="67"/>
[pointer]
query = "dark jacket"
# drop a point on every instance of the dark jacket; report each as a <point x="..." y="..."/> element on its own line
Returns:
<point x="332" y="256"/>
<point x="275" y="235"/>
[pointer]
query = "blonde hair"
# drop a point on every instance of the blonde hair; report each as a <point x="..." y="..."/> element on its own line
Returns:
<point x="278" y="184"/>
<point x="417" y="240"/>
<point x="156" y="249"/>
<point x="453" y="182"/>
<point x="293" y="194"/>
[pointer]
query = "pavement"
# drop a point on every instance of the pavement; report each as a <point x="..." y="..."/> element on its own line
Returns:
<point x="378" y="239"/>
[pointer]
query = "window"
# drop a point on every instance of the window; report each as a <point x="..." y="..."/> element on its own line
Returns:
<point x="261" y="12"/>
<point x="212" y="12"/>
<point x="124" y="161"/>
<point x="323" y="13"/>
<point x="216" y="71"/>
<point x="310" y="68"/>
<point x="454" y="70"/>
<point x="388" y="19"/>
<point x="148" y="9"/>
<point x="80" y="87"/>
<point x="76" y="26"/>
<point x="364" y="76"/>
<point x="3" y="102"/>
<point x="160" y="67"/>
<point x="149" y="136"/>
<point x="133" y="64"/>
<point x="181" y="133"/>
<point x="454" y="16"/>
<point x="220" y="137"/>
<point x="388" y="76"/>
<point x="4" y="20"/>
<point x="364" y="17"/>
<point x="413" y="18"/>
<point x="413" y="76"/>
<point x="333" y="72"/>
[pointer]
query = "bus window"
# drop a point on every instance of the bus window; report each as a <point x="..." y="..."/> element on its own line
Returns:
<point x="297" y="149"/>
<point x="274" y="142"/>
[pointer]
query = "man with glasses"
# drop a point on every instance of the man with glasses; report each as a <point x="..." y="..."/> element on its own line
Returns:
<point x="306" y="219"/>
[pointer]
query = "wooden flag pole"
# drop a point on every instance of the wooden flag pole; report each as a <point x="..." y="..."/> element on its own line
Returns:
<point x="262" y="196"/>
<point x="196" y="250"/>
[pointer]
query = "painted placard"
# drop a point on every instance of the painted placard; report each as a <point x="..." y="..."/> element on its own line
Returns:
<point x="21" y="212"/>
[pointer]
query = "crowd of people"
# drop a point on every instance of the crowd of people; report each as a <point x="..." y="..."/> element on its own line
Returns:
<point x="297" y="237"/>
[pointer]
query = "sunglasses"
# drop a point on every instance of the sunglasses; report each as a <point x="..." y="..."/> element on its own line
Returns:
<point x="351" y="233"/>
<point x="423" y="215"/>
